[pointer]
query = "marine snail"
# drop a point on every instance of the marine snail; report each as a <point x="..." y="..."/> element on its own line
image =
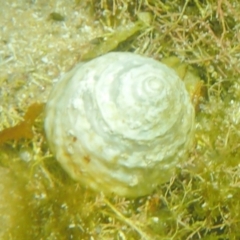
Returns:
<point x="120" y="123"/>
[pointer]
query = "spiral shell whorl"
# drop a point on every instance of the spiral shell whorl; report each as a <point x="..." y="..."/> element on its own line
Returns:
<point x="119" y="123"/>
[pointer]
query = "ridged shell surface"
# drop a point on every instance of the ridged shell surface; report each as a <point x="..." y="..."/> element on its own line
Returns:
<point x="120" y="123"/>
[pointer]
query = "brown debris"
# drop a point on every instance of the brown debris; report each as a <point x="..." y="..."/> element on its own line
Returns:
<point x="24" y="128"/>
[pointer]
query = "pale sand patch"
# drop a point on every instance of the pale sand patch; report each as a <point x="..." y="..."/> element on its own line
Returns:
<point x="35" y="49"/>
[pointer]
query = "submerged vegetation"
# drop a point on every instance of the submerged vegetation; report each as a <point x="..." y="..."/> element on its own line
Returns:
<point x="202" y="200"/>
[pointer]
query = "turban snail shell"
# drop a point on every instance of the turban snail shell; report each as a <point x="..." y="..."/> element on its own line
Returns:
<point x="120" y="123"/>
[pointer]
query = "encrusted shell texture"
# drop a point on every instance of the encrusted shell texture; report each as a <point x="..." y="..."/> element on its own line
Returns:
<point x="120" y="123"/>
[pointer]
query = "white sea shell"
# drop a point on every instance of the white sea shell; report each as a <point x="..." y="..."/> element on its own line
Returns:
<point x="120" y="123"/>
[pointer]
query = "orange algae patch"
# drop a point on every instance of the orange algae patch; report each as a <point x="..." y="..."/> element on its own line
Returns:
<point x="24" y="128"/>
